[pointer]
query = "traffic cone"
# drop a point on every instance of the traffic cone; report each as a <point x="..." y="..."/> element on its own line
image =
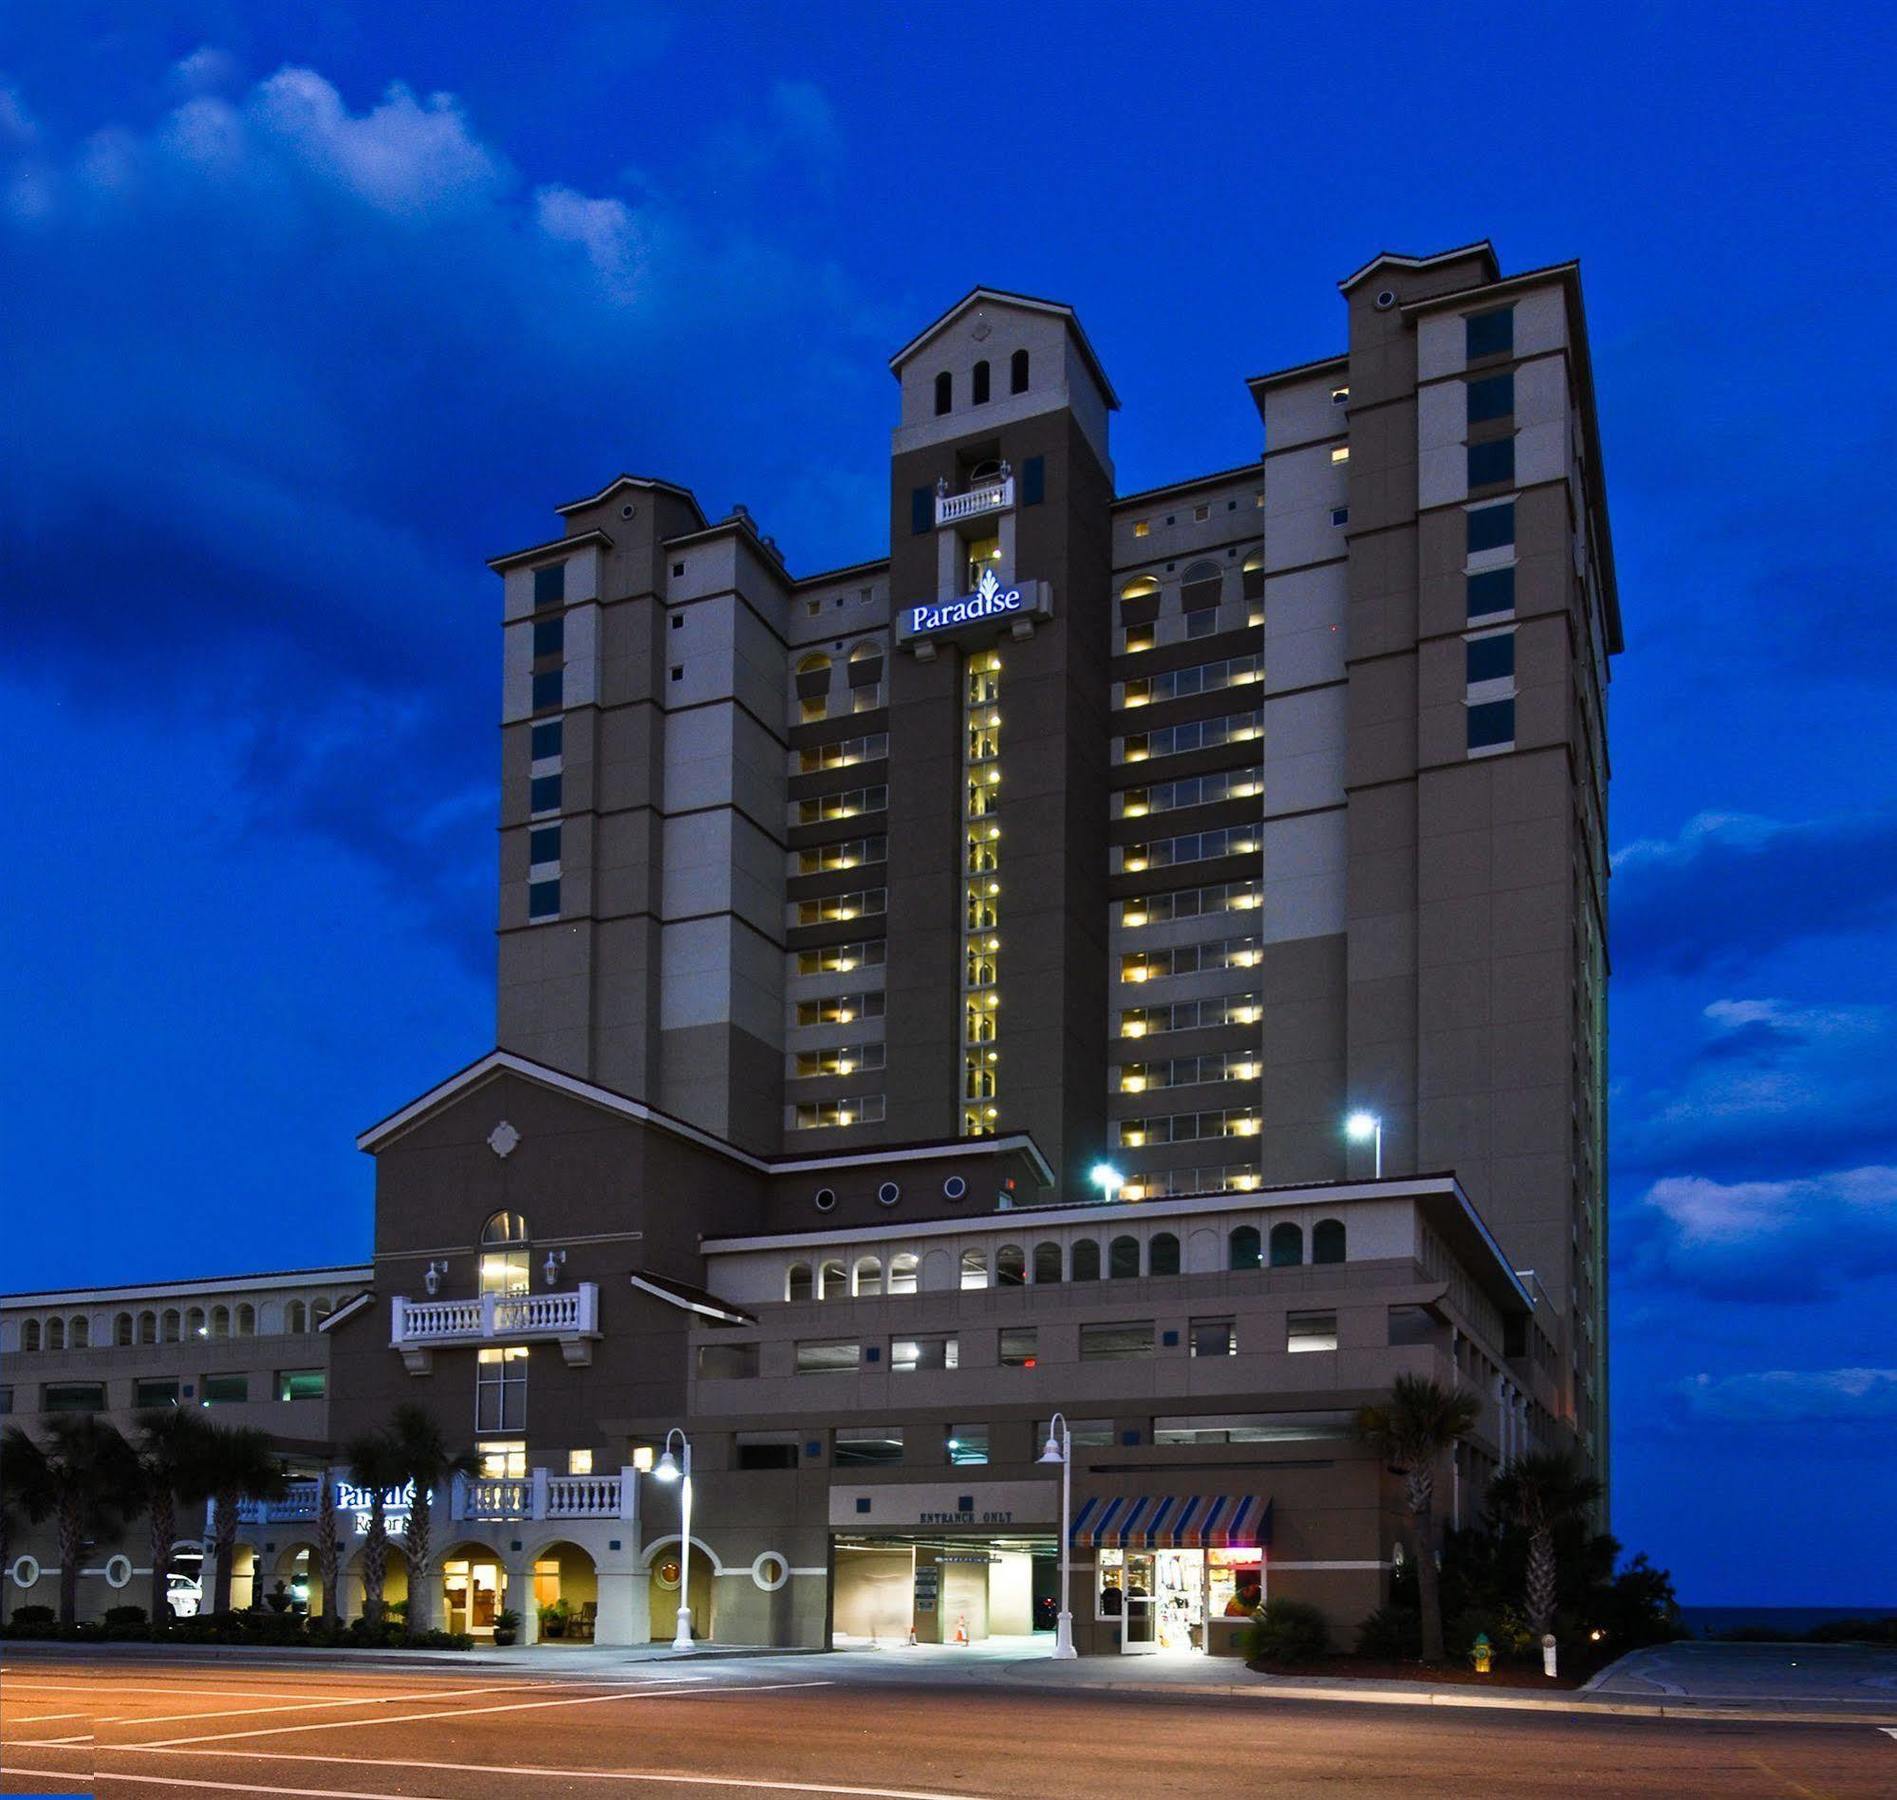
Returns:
<point x="961" y="1628"/>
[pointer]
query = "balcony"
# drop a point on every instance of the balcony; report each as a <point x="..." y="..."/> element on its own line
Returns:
<point x="569" y="1318"/>
<point x="299" y="1505"/>
<point x="541" y="1495"/>
<point x="990" y="497"/>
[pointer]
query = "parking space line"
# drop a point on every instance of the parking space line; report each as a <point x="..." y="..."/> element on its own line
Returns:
<point x="661" y="1777"/>
<point x="475" y="1712"/>
<point x="46" y="1718"/>
<point x="222" y="1787"/>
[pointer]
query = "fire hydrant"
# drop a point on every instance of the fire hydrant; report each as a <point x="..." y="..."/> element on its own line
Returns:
<point x="1483" y="1652"/>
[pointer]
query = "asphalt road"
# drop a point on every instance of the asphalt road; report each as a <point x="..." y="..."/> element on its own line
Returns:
<point x="164" y="1730"/>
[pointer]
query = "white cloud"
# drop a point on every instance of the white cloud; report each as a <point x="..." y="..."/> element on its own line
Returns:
<point x="1710" y="1212"/>
<point x="605" y="229"/>
<point x="403" y="156"/>
<point x="1782" y="1396"/>
<point x="205" y="70"/>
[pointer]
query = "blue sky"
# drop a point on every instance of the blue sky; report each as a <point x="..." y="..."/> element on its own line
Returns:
<point x="307" y="310"/>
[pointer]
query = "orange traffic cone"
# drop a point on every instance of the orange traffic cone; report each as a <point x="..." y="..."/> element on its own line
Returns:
<point x="961" y="1629"/>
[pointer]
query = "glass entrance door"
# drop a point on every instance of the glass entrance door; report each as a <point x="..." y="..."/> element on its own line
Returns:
<point x="1139" y="1635"/>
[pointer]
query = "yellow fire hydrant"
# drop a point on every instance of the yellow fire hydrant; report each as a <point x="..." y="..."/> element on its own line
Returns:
<point x="1483" y="1653"/>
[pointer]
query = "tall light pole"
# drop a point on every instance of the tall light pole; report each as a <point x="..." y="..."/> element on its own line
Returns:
<point x="679" y="1468"/>
<point x="1061" y="1450"/>
<point x="1367" y="1127"/>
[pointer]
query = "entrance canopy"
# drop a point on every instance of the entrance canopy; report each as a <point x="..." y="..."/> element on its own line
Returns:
<point x="1172" y="1522"/>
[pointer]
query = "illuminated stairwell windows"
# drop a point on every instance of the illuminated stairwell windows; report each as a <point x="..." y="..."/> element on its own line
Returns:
<point x="981" y="892"/>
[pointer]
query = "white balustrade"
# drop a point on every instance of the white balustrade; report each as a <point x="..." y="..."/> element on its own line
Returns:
<point x="544" y="1496"/>
<point x="994" y="496"/>
<point x="568" y="1312"/>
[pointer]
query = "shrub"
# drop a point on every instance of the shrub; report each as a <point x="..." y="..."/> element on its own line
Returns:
<point x="1854" y="1631"/>
<point x="1287" y="1631"/>
<point x="34" y="1615"/>
<point x="125" y="1615"/>
<point x="1392" y="1633"/>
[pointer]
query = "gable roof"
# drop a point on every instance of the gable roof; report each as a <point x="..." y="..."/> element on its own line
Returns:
<point x="1397" y="259"/>
<point x="647" y="483"/>
<point x="1028" y="303"/>
<point x="505" y="1062"/>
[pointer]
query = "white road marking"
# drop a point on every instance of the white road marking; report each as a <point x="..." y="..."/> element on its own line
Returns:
<point x="467" y="1712"/>
<point x="1890" y="1731"/>
<point x="496" y="1687"/>
<point x="222" y="1787"/>
<point x="46" y="1718"/>
<point x="667" y="1777"/>
<point x="12" y="1685"/>
<point x="45" y="1743"/>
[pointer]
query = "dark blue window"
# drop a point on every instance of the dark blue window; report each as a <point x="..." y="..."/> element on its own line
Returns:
<point x="548" y="688"/>
<point x="1242" y="1248"/>
<point x="1490" y="527"/>
<point x="1490" y="333"/>
<point x="543" y="899"/>
<point x="1491" y="462"/>
<point x="1492" y="591"/>
<point x="1327" y="1241"/>
<point x="1018" y="372"/>
<point x="1491" y="658"/>
<point x="944" y="392"/>
<point x="550" y="586"/>
<point x="921" y="511"/>
<point x="543" y="794"/>
<point x="1034" y="481"/>
<point x="549" y="738"/>
<point x="1287" y="1245"/>
<point x="549" y="636"/>
<point x="1491" y="724"/>
<point x="543" y="844"/>
<point x="978" y="385"/>
<point x="1493" y="397"/>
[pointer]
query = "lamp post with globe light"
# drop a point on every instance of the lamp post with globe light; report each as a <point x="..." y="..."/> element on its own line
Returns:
<point x="1060" y="1449"/>
<point x="1367" y="1127"/>
<point x="1107" y="1179"/>
<point x="679" y="1468"/>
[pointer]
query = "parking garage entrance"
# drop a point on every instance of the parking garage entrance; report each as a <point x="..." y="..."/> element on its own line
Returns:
<point x="944" y="1587"/>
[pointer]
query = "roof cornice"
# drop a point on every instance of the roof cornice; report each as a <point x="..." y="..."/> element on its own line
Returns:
<point x="580" y="540"/>
<point x="1028" y="302"/>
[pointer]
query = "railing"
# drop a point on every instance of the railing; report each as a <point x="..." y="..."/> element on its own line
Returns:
<point x="541" y="1495"/>
<point x="300" y="1502"/>
<point x="573" y="1312"/>
<point x="992" y="496"/>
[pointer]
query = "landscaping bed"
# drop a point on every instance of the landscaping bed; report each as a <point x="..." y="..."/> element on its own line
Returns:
<point x="1362" y="1668"/>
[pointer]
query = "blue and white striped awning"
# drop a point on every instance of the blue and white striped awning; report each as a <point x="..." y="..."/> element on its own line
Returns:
<point x="1172" y="1522"/>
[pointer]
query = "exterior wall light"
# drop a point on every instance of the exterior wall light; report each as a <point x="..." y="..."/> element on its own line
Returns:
<point x="1367" y="1128"/>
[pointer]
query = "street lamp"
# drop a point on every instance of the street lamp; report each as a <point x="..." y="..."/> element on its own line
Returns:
<point x="1061" y="1450"/>
<point x="1107" y="1179"/>
<point x="679" y="1468"/>
<point x="1367" y="1127"/>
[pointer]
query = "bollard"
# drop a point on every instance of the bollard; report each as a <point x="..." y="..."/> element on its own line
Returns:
<point x="1547" y="1653"/>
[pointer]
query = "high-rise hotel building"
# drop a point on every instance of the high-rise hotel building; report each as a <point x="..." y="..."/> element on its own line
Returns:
<point x="1168" y="828"/>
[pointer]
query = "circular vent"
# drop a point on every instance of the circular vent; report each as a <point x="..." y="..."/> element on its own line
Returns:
<point x="954" y="1188"/>
<point x="626" y="511"/>
<point x="889" y="1193"/>
<point x="1386" y="299"/>
<point x="826" y="1199"/>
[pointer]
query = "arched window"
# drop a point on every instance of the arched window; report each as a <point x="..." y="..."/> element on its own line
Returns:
<point x="296" y="1318"/>
<point x="55" y="1334"/>
<point x="869" y="1277"/>
<point x="902" y="1274"/>
<point x="79" y="1334"/>
<point x="944" y="392"/>
<point x="974" y="1268"/>
<point x="320" y="1310"/>
<point x="246" y="1320"/>
<point x="30" y="1335"/>
<point x="148" y="1328"/>
<point x="1018" y="372"/>
<point x="1123" y="1258"/>
<point x="978" y="385"/>
<point x="1243" y="1248"/>
<point x="1287" y="1245"/>
<point x="1162" y="1255"/>
<point x="1011" y="1266"/>
<point x="833" y="1281"/>
<point x="797" y="1283"/>
<point x="1327" y="1241"/>
<point x="122" y="1329"/>
<point x="1252" y="578"/>
<point x="1086" y="1260"/>
<point x="1046" y="1264"/>
<point x="220" y="1321"/>
<point x="194" y="1326"/>
<point x="505" y="1259"/>
<point x="173" y="1325"/>
<point x="813" y="687"/>
<point x="1141" y="587"/>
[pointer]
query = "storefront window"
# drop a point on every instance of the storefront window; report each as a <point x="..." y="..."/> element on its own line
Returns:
<point x="1236" y="1583"/>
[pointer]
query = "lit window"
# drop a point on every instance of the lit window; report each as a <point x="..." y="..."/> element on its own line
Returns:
<point x="967" y="1444"/>
<point x="1340" y="453"/>
<point x="579" y="1462"/>
<point x="1310" y="1331"/>
<point x="1339" y="395"/>
<point x="1142" y="528"/>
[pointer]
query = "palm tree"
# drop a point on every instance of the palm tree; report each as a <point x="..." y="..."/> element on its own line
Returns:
<point x="173" y="1454"/>
<point x="1410" y="1431"/>
<point x="427" y="1462"/>
<point x="237" y="1463"/>
<point x="84" y="1477"/>
<point x="1539" y="1493"/>
<point x="328" y="1550"/>
<point x="375" y="1462"/>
